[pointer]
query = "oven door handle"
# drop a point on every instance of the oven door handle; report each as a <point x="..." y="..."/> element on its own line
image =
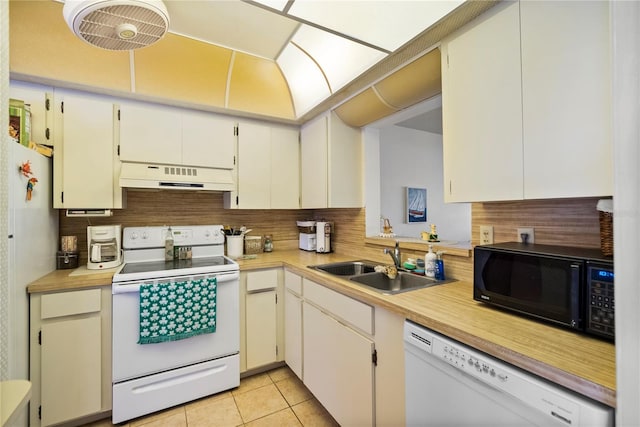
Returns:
<point x="135" y="287"/>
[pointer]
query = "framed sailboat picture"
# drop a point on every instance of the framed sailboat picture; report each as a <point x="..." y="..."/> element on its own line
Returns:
<point x="416" y="205"/>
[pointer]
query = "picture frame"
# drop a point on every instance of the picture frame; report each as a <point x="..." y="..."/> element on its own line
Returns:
<point x="415" y="205"/>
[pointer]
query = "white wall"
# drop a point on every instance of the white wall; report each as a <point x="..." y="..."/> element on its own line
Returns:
<point x="413" y="158"/>
<point x="626" y="207"/>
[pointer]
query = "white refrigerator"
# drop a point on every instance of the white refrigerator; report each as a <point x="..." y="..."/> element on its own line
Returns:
<point x="33" y="242"/>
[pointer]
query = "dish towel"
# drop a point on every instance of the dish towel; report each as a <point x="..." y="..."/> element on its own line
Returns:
<point x="171" y="311"/>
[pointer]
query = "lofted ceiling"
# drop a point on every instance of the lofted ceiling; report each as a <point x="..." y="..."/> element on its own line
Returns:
<point x="320" y="46"/>
<point x="283" y="59"/>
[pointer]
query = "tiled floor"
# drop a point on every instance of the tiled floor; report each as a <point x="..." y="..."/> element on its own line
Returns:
<point x="275" y="398"/>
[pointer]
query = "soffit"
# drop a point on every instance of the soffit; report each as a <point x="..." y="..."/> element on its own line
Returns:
<point x="256" y="37"/>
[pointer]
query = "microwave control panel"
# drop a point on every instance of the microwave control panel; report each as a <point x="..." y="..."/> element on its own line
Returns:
<point x="601" y="303"/>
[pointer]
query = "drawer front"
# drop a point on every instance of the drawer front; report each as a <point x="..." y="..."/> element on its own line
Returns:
<point x="354" y="312"/>
<point x="70" y="303"/>
<point x="262" y="280"/>
<point x="293" y="282"/>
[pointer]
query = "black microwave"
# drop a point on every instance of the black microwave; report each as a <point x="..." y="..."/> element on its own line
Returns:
<point x="571" y="287"/>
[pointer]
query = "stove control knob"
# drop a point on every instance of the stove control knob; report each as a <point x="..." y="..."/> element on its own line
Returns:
<point x="145" y="235"/>
<point x="134" y="236"/>
<point x="207" y="234"/>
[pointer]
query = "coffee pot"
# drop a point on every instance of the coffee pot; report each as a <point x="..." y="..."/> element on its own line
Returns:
<point x="104" y="246"/>
<point x="323" y="236"/>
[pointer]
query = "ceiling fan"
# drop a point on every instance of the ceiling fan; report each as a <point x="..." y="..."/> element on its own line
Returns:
<point x="117" y="24"/>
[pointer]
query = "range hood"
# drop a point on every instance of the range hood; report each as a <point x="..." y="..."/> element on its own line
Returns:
<point x="175" y="177"/>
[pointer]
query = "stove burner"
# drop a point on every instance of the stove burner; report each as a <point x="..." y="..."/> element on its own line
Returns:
<point x="157" y="266"/>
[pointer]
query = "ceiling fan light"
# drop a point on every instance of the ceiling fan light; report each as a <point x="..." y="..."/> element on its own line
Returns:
<point x="126" y="31"/>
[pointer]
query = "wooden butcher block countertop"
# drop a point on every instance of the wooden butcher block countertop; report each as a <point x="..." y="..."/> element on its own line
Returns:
<point x="575" y="361"/>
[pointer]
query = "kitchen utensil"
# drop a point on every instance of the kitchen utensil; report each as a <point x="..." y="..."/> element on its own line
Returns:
<point x="235" y="245"/>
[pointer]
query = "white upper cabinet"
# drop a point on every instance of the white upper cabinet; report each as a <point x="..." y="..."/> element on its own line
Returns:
<point x="331" y="164"/>
<point x="86" y="166"/>
<point x="285" y="168"/>
<point x="208" y="140"/>
<point x="482" y="110"/>
<point x="158" y="134"/>
<point x="527" y="104"/>
<point x="268" y="169"/>
<point x="566" y="90"/>
<point x="150" y="134"/>
<point x="40" y="99"/>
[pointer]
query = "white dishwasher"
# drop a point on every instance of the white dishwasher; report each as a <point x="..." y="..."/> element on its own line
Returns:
<point x="448" y="383"/>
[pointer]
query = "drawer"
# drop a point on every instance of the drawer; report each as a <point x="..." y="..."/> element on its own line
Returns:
<point x="354" y="312"/>
<point x="70" y="303"/>
<point x="293" y="282"/>
<point x="262" y="280"/>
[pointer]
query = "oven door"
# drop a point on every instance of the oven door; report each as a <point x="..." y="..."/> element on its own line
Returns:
<point x="132" y="360"/>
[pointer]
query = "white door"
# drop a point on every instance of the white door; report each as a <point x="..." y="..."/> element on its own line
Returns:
<point x="482" y="110"/>
<point x="150" y="134"/>
<point x="338" y="369"/>
<point x="313" y="163"/>
<point x="71" y="369"/>
<point x="566" y="95"/>
<point x="293" y="332"/>
<point x="285" y="168"/>
<point x="261" y="328"/>
<point x="254" y="166"/>
<point x="87" y="150"/>
<point x="207" y="140"/>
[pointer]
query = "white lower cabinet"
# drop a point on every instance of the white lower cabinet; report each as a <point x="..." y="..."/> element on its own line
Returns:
<point x="262" y="318"/>
<point x="293" y="322"/>
<point x="338" y="353"/>
<point x="338" y="367"/>
<point x="348" y="354"/>
<point x="70" y="357"/>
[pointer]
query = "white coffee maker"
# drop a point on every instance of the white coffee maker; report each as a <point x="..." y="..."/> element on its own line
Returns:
<point x="104" y="246"/>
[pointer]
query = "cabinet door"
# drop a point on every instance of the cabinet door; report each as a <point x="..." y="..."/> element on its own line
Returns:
<point x="254" y="166"/>
<point x="482" y="109"/>
<point x="566" y="92"/>
<point x="87" y="150"/>
<point x="41" y="117"/>
<point x="207" y="140"/>
<point x="337" y="367"/>
<point x="345" y="177"/>
<point x="261" y="328"/>
<point x="313" y="163"/>
<point x="285" y="168"/>
<point x="293" y="332"/>
<point x="150" y="134"/>
<point x="70" y="379"/>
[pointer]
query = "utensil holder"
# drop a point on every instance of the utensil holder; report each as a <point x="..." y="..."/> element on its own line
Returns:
<point x="235" y="246"/>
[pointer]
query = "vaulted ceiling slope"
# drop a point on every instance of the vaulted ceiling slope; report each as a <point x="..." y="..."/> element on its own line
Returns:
<point x="275" y="59"/>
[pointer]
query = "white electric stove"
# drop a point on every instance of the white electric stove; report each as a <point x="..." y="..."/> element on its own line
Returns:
<point x="151" y="377"/>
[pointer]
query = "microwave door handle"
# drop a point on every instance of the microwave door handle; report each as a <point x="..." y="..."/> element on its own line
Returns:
<point x="576" y="274"/>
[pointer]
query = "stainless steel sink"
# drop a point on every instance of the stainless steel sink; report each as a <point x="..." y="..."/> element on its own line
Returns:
<point x="401" y="283"/>
<point x="363" y="273"/>
<point x="348" y="268"/>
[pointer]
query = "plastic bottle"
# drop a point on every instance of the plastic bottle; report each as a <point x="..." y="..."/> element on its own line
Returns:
<point x="168" y="245"/>
<point x="439" y="266"/>
<point x="430" y="263"/>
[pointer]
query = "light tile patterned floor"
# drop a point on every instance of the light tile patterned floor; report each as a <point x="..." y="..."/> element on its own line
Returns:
<point x="275" y="398"/>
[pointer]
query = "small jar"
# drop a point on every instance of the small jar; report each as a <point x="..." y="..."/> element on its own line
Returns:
<point x="268" y="243"/>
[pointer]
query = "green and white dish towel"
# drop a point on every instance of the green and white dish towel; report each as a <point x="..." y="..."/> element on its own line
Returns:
<point x="171" y="311"/>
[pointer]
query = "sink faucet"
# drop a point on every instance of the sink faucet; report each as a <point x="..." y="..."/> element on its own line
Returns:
<point x="395" y="254"/>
